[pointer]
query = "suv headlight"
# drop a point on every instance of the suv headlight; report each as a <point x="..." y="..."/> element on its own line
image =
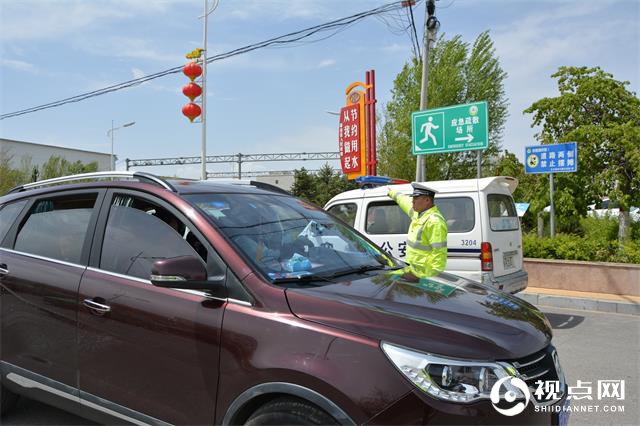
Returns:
<point x="451" y="379"/>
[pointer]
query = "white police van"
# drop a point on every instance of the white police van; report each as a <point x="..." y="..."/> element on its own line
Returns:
<point x="484" y="241"/>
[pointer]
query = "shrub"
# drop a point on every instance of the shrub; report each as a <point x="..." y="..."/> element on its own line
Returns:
<point x="599" y="228"/>
<point x="630" y="253"/>
<point x="592" y="247"/>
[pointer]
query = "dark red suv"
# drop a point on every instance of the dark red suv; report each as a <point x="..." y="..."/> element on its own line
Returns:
<point x="129" y="298"/>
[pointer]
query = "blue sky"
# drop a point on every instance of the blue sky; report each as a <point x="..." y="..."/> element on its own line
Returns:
<point x="273" y="100"/>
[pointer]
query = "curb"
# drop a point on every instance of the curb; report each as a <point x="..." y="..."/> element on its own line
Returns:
<point x="580" y="303"/>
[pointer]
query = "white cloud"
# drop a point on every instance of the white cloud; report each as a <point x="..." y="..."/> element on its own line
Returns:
<point x="327" y="63"/>
<point x="560" y="33"/>
<point x="137" y="73"/>
<point x="320" y="138"/>
<point x="19" y="65"/>
<point x="48" y="20"/>
<point x="154" y="84"/>
<point x="253" y="62"/>
<point x="397" y="48"/>
<point x="37" y="20"/>
<point x="279" y="9"/>
<point x="555" y="36"/>
<point x="128" y="47"/>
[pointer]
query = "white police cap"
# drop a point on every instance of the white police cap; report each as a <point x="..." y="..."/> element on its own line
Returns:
<point x="421" y="189"/>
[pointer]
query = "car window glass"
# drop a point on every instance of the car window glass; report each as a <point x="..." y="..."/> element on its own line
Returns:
<point x="139" y="232"/>
<point x="502" y="213"/>
<point x="286" y="237"/>
<point x="345" y="212"/>
<point x="56" y="228"/>
<point x="386" y="217"/>
<point x="8" y="214"/>
<point x="458" y="212"/>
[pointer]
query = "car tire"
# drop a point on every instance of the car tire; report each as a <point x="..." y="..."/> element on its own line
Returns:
<point x="289" y="411"/>
<point x="8" y="400"/>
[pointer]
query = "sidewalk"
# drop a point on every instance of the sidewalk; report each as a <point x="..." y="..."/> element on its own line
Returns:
<point x="582" y="300"/>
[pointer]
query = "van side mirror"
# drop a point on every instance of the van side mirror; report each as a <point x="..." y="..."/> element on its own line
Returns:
<point x="184" y="272"/>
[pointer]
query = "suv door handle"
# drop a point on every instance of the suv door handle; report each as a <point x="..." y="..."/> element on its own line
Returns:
<point x="97" y="307"/>
<point x="4" y="270"/>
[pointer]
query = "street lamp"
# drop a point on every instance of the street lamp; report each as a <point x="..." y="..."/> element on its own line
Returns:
<point x="110" y="134"/>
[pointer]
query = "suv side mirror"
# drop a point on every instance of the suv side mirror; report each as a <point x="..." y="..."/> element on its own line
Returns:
<point x="184" y="272"/>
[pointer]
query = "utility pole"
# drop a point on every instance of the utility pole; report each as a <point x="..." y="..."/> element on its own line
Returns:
<point x="431" y="25"/>
<point x="205" y="17"/>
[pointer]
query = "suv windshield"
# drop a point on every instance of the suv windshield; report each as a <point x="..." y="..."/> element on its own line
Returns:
<point x="287" y="238"/>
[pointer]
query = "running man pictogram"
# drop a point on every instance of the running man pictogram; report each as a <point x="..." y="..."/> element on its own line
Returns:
<point x="426" y="128"/>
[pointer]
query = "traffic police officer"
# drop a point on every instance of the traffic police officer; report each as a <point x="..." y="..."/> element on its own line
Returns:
<point x="427" y="236"/>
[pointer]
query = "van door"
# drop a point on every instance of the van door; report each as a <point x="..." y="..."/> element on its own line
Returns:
<point x="464" y="236"/>
<point x="504" y="234"/>
<point x="386" y="225"/>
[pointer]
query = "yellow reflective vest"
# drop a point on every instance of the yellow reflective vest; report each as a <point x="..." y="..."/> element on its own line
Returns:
<point x="426" y="239"/>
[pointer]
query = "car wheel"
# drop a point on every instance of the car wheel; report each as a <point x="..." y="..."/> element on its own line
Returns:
<point x="7" y="400"/>
<point x="289" y="411"/>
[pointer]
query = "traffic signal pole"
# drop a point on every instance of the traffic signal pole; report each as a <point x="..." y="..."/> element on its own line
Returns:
<point x="431" y="26"/>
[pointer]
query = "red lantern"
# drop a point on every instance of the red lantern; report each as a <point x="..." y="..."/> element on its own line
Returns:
<point x="192" y="91"/>
<point x="192" y="70"/>
<point x="191" y="111"/>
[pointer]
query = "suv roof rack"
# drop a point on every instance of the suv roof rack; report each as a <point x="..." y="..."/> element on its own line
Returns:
<point x="141" y="176"/>
<point x="268" y="187"/>
<point x="260" y="185"/>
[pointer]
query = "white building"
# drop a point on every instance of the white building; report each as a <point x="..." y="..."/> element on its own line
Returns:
<point x="38" y="154"/>
<point x="283" y="180"/>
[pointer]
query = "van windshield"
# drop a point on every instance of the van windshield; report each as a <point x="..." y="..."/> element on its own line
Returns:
<point x="502" y="213"/>
<point x="287" y="238"/>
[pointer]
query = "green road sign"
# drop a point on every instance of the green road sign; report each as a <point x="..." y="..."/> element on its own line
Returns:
<point x="450" y="129"/>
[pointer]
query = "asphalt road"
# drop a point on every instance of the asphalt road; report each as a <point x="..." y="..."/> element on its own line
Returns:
<point x="593" y="346"/>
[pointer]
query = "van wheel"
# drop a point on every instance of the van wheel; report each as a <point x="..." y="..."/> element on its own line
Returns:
<point x="8" y="400"/>
<point x="289" y="411"/>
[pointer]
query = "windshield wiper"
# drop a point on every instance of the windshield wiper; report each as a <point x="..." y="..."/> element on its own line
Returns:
<point x="302" y="278"/>
<point x="362" y="270"/>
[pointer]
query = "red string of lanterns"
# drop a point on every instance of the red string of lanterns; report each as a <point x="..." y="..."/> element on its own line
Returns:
<point x="192" y="90"/>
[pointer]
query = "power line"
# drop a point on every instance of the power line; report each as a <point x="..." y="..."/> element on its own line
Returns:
<point x="293" y="37"/>
<point x="415" y="32"/>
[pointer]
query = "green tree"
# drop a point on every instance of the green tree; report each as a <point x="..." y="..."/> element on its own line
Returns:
<point x="458" y="73"/>
<point x="10" y="177"/>
<point x="58" y="166"/>
<point x="54" y="167"/>
<point x="603" y="117"/>
<point x="303" y="184"/>
<point x="321" y="187"/>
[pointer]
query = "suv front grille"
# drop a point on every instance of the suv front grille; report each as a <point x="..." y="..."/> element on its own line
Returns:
<point x="539" y="366"/>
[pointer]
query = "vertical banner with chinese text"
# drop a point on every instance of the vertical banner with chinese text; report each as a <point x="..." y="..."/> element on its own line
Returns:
<point x="349" y="138"/>
<point x="361" y="157"/>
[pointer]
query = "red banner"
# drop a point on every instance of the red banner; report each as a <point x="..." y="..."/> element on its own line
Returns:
<point x="349" y="138"/>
